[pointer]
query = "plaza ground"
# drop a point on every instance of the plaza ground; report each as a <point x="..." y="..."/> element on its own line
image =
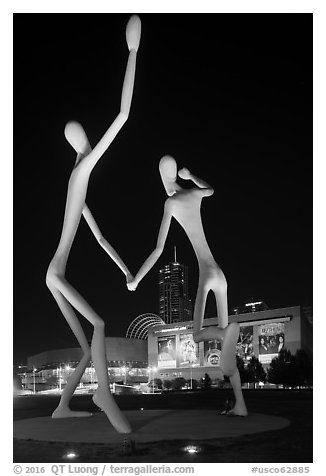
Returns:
<point x="292" y="444"/>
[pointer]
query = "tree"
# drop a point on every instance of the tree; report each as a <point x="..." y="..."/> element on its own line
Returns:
<point x="242" y="369"/>
<point x="282" y="369"/>
<point x="303" y="368"/>
<point x="255" y="372"/>
<point x="158" y="382"/>
<point x="178" y="383"/>
<point x="192" y="383"/>
<point x="207" y="382"/>
<point x="167" y="384"/>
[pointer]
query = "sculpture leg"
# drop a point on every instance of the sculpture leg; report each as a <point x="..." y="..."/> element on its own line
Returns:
<point x="211" y="332"/>
<point x="199" y="311"/>
<point x="229" y="342"/>
<point x="239" y="408"/>
<point x="63" y="410"/>
<point x="103" y="397"/>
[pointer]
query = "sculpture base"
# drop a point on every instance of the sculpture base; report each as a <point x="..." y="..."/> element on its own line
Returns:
<point x="148" y="426"/>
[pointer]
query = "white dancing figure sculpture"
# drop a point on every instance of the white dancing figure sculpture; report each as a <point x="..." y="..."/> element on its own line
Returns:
<point x="184" y="205"/>
<point x="65" y="295"/>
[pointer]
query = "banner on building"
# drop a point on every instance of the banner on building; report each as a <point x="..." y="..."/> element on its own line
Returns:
<point x="245" y="348"/>
<point x="166" y="352"/>
<point x="188" y="351"/>
<point x="212" y="353"/>
<point x="271" y="341"/>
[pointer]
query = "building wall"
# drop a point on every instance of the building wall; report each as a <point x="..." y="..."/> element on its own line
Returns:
<point x="252" y="325"/>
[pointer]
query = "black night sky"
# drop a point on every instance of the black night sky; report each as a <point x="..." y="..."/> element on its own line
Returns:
<point x="228" y="95"/>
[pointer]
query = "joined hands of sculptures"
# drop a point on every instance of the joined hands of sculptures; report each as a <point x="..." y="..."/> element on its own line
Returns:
<point x="184" y="206"/>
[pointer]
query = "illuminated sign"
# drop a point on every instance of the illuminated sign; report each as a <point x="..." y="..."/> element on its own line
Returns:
<point x="212" y="353"/>
<point x="244" y="347"/>
<point x="188" y="351"/>
<point x="166" y="352"/>
<point x="271" y="341"/>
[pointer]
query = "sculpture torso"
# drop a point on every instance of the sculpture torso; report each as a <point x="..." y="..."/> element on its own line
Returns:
<point x="184" y="206"/>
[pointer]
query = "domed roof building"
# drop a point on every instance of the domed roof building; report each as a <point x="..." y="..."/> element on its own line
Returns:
<point x="138" y="329"/>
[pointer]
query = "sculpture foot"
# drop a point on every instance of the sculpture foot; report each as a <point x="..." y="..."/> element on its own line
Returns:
<point x="67" y="413"/>
<point x="228" y="354"/>
<point x="105" y="401"/>
<point x="237" y="412"/>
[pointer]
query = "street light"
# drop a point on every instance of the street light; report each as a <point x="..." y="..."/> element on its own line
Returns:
<point x="124" y="371"/>
<point x="153" y="375"/>
<point x="59" y="372"/>
<point x="67" y="373"/>
<point x="191" y="376"/>
<point x="34" y="370"/>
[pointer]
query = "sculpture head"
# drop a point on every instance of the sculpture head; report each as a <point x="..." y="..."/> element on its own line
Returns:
<point x="168" y="171"/>
<point x="133" y="32"/>
<point x="77" y="138"/>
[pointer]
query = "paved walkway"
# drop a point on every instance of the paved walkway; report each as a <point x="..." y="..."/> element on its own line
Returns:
<point x="148" y="426"/>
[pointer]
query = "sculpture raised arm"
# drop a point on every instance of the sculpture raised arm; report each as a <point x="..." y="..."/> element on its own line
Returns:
<point x="206" y="189"/>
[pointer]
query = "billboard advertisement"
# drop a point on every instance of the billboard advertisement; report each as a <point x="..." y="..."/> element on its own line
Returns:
<point x="212" y="353"/>
<point x="166" y="352"/>
<point x="245" y="348"/>
<point x="271" y="341"/>
<point x="188" y="351"/>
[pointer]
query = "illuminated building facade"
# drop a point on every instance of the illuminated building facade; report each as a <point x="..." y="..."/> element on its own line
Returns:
<point x="126" y="362"/>
<point x="173" y="352"/>
<point x="174" y="302"/>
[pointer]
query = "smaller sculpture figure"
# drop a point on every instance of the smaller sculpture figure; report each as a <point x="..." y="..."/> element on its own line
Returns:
<point x="184" y="205"/>
<point x="65" y="295"/>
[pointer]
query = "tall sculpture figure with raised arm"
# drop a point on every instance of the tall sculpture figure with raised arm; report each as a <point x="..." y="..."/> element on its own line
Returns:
<point x="63" y="292"/>
<point x="184" y="205"/>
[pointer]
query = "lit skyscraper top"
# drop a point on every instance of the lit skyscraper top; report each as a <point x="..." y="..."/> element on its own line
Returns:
<point x="175" y="305"/>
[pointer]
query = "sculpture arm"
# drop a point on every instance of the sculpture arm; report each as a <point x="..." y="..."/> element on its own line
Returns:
<point x="104" y="243"/>
<point x="205" y="188"/>
<point x="78" y="139"/>
<point x="154" y="256"/>
<point x="133" y="37"/>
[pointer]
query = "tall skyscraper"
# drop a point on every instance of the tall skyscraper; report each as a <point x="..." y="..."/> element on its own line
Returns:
<point x="175" y="305"/>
